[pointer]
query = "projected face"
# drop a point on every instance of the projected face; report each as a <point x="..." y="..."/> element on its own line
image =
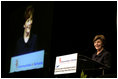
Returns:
<point x="98" y="44"/>
<point x="28" y="24"/>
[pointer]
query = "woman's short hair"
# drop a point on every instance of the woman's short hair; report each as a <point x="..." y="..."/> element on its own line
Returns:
<point x="101" y="37"/>
<point x="29" y="11"/>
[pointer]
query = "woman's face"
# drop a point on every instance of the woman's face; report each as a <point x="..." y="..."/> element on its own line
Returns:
<point x="98" y="44"/>
<point x="28" y="24"/>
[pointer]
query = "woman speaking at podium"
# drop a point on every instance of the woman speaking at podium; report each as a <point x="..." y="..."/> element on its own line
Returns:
<point x="101" y="55"/>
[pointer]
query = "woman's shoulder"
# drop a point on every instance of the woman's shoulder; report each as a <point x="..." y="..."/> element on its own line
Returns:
<point x="33" y="35"/>
<point x="105" y="52"/>
<point x="94" y="54"/>
<point x="20" y="39"/>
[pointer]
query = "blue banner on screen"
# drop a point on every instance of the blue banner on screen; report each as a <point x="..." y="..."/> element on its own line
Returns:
<point x="34" y="60"/>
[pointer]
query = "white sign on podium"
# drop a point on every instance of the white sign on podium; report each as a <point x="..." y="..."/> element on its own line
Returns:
<point x="66" y="64"/>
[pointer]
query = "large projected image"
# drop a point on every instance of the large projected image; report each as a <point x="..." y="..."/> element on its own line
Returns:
<point x="33" y="60"/>
<point x="66" y="64"/>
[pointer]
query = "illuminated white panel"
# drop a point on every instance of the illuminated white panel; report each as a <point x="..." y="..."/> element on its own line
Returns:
<point x="66" y="64"/>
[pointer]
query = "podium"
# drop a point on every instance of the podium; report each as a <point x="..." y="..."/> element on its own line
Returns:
<point x="90" y="67"/>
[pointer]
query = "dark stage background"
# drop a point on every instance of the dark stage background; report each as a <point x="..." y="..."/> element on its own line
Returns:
<point x="63" y="28"/>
